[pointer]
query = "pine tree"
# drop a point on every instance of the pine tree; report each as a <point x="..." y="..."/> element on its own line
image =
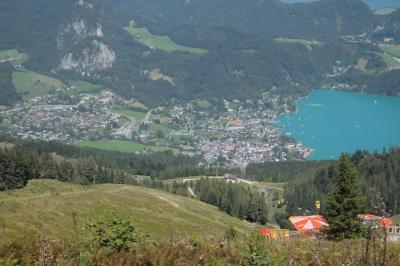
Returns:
<point x="345" y="204"/>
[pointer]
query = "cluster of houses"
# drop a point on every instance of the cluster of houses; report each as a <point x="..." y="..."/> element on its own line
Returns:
<point x="64" y="122"/>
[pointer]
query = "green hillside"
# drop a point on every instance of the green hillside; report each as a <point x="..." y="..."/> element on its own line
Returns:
<point x="48" y="206"/>
<point x="163" y="43"/>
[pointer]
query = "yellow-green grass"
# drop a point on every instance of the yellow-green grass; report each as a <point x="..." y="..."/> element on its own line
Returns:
<point x="85" y="87"/>
<point x="122" y="146"/>
<point x="393" y="50"/>
<point x="30" y="84"/>
<point x="307" y="43"/>
<point x="163" y="43"/>
<point x="385" y="11"/>
<point x="47" y="207"/>
<point x="138" y="116"/>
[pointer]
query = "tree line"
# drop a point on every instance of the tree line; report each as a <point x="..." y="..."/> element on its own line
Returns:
<point x="17" y="167"/>
<point x="237" y="200"/>
<point x="379" y="177"/>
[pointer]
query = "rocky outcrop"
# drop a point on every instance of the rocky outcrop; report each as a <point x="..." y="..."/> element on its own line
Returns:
<point x="98" y="56"/>
<point x="82" y="43"/>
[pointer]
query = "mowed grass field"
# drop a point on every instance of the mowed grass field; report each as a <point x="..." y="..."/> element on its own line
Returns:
<point x="138" y="116"/>
<point x="122" y="146"/>
<point x="47" y="207"/>
<point x="30" y="84"/>
<point x="85" y="87"/>
<point x="7" y="54"/>
<point x="389" y="60"/>
<point x="393" y="50"/>
<point x="163" y="43"/>
<point x="385" y="11"/>
<point x="203" y="104"/>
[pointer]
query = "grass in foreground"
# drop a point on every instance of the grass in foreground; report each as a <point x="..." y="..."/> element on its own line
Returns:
<point x="47" y="206"/>
<point x="252" y="249"/>
<point x="30" y="84"/>
<point x="122" y="146"/>
<point x="163" y="43"/>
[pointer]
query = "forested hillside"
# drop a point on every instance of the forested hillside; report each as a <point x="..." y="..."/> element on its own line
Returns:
<point x="252" y="46"/>
<point x="21" y="161"/>
<point x="379" y="176"/>
<point x="8" y="95"/>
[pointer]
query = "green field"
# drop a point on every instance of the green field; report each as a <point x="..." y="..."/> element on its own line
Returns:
<point x="307" y="43"/>
<point x="389" y="60"/>
<point x="203" y="104"/>
<point x="122" y="110"/>
<point x="30" y="84"/>
<point x="85" y="87"/>
<point x="122" y="146"/>
<point x="393" y="50"/>
<point x="385" y="11"/>
<point x="153" y="128"/>
<point x="7" y="54"/>
<point x="47" y="206"/>
<point x="163" y="43"/>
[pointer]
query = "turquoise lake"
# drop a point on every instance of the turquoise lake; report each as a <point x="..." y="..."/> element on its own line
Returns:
<point x="332" y="122"/>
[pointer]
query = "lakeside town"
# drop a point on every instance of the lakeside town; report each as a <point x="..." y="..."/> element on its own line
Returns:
<point x="234" y="134"/>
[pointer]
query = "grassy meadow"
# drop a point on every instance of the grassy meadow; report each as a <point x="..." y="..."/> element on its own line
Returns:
<point x="30" y="84"/>
<point x="163" y="43"/>
<point x="122" y="146"/>
<point x="203" y="104"/>
<point x="307" y="43"/>
<point x="393" y="50"/>
<point x="85" y="87"/>
<point x="122" y="110"/>
<point x="47" y="206"/>
<point x="385" y="11"/>
<point x="7" y="54"/>
<point x="389" y="60"/>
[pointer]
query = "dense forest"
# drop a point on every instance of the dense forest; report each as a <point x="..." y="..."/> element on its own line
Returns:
<point x="24" y="160"/>
<point x="379" y="176"/>
<point x="281" y="171"/>
<point x="8" y="95"/>
<point x="236" y="200"/>
<point x="18" y="166"/>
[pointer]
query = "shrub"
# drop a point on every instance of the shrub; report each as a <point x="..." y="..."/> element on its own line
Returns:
<point x="113" y="232"/>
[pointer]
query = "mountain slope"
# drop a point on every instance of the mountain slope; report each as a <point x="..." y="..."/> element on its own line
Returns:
<point x="86" y="40"/>
<point x="47" y="206"/>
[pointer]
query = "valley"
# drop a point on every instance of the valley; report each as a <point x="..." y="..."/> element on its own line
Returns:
<point x="188" y="132"/>
<point x="233" y="134"/>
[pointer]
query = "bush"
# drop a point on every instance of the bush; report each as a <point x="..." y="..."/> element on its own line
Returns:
<point x="113" y="232"/>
